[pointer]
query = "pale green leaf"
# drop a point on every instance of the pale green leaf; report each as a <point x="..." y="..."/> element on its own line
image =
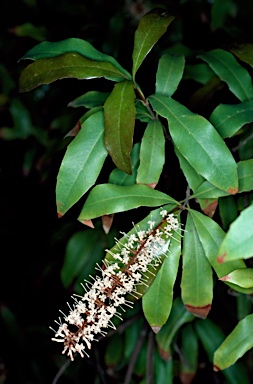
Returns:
<point x="242" y="277"/>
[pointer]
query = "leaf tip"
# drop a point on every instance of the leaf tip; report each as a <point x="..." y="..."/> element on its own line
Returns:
<point x="232" y="191"/>
<point x="216" y="368"/>
<point x="107" y="223"/>
<point x="59" y="214"/>
<point x="224" y="278"/>
<point x="221" y="258"/>
<point x="88" y="223"/>
<point x="210" y="209"/>
<point x="155" y="328"/>
<point x="199" y="311"/>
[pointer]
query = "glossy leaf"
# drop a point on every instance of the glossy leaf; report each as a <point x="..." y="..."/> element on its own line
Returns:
<point x="245" y="181"/>
<point x="245" y="175"/>
<point x="143" y="225"/>
<point x="151" y="27"/>
<point x="238" y="243"/>
<point x="227" y="210"/>
<point x="178" y="316"/>
<point x="152" y="154"/>
<point x="157" y="302"/>
<point x="48" y="49"/>
<point x="211" y="236"/>
<point x="105" y="199"/>
<point x="211" y="336"/>
<point x="244" y="52"/>
<point x="228" y="119"/>
<point x="197" y="140"/>
<point x="237" y="343"/>
<point x="119" y="113"/>
<point x="163" y="370"/>
<point x="231" y="72"/>
<point x="69" y="65"/>
<point x="169" y="74"/>
<point x="193" y="178"/>
<point x="201" y="73"/>
<point x="121" y="178"/>
<point x="81" y="164"/>
<point x="242" y="277"/>
<point x="196" y="282"/>
<point x="90" y="99"/>
<point x="142" y="113"/>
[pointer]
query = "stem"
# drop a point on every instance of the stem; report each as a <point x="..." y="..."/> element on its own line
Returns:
<point x="145" y="102"/>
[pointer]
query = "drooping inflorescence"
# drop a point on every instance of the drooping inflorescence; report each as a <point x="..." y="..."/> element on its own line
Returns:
<point x="92" y="313"/>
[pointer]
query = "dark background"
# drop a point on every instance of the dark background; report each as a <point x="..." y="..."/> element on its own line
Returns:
<point x="33" y="239"/>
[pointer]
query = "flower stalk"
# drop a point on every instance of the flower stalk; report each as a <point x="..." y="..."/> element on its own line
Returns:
<point x="106" y="294"/>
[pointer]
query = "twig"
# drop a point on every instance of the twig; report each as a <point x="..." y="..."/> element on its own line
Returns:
<point x="135" y="355"/>
<point x="150" y="359"/>
<point x="61" y="371"/>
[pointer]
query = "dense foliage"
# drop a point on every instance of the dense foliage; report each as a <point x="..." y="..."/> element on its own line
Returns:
<point x="166" y="118"/>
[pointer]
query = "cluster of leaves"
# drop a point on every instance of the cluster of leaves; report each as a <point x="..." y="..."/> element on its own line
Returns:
<point x="215" y="175"/>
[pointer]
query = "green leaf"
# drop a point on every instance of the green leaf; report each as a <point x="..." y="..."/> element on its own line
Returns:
<point x="193" y="178"/>
<point x="228" y="119"/>
<point x="48" y="49"/>
<point x="169" y="74"/>
<point x="244" y="52"/>
<point x="238" y="243"/>
<point x="189" y="349"/>
<point x="152" y="154"/>
<point x="90" y="99"/>
<point x="211" y="337"/>
<point x="201" y="73"/>
<point x="163" y="370"/>
<point x="121" y="178"/>
<point x="114" y="351"/>
<point x="119" y="113"/>
<point x="178" y="316"/>
<point x="83" y="251"/>
<point x="142" y="113"/>
<point x="245" y="175"/>
<point x="197" y="140"/>
<point x="211" y="236"/>
<point x="69" y="65"/>
<point x="245" y="181"/>
<point x="151" y="27"/>
<point x="157" y="302"/>
<point x="196" y="282"/>
<point x="105" y="199"/>
<point x="227" y="210"/>
<point x="144" y="225"/>
<point x="227" y="68"/>
<point x="242" y="277"/>
<point x="81" y="164"/>
<point x="237" y="343"/>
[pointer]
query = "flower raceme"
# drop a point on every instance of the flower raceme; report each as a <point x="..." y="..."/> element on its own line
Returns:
<point x="92" y="313"/>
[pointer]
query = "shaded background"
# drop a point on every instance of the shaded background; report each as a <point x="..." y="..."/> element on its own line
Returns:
<point x="32" y="144"/>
